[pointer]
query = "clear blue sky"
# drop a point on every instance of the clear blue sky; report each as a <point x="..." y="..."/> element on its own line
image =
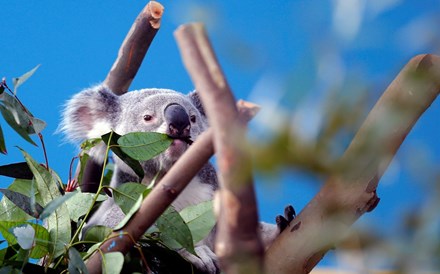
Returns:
<point x="300" y="49"/>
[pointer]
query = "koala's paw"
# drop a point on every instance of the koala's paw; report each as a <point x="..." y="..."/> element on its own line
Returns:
<point x="283" y="221"/>
<point x="206" y="260"/>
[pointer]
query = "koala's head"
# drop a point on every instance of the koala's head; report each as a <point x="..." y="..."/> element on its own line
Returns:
<point x="96" y="111"/>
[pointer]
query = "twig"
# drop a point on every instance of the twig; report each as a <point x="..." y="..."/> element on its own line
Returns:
<point x="134" y="48"/>
<point x="164" y="193"/>
<point x="238" y="246"/>
<point x="348" y="195"/>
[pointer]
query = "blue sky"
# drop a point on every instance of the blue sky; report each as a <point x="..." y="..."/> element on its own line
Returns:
<point x="286" y="54"/>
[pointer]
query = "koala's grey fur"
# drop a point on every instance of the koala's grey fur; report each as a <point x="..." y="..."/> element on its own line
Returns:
<point x="96" y="111"/>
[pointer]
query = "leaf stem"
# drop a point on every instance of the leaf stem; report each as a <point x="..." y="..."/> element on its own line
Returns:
<point x="95" y="198"/>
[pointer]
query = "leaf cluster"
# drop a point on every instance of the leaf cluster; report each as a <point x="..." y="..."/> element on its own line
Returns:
<point x="41" y="218"/>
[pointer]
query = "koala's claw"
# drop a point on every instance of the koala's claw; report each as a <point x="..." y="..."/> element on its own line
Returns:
<point x="283" y="221"/>
<point x="206" y="261"/>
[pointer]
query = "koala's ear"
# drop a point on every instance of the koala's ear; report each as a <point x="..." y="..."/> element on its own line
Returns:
<point x="89" y="114"/>
<point x="195" y="99"/>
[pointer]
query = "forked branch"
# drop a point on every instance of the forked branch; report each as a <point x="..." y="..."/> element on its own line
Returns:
<point x="352" y="192"/>
<point x="238" y="246"/>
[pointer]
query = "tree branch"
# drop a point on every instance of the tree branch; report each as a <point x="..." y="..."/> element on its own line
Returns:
<point x="165" y="192"/>
<point x="122" y="73"/>
<point x="133" y="49"/>
<point x="237" y="245"/>
<point x="352" y="192"/>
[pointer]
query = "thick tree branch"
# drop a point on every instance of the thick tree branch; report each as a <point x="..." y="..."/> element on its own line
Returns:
<point x="166" y="191"/>
<point x="123" y="71"/>
<point x="237" y="245"/>
<point x="352" y="192"/>
<point x="133" y="49"/>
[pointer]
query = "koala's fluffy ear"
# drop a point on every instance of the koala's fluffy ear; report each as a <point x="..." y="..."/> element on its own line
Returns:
<point x="90" y="113"/>
<point x="195" y="99"/>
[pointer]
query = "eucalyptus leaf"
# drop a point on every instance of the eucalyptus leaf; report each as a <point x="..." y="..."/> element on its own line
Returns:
<point x="18" y="81"/>
<point x="80" y="204"/>
<point x="97" y="233"/>
<point x="58" y="224"/>
<point x="143" y="146"/>
<point x="83" y="158"/>
<point x="10" y="119"/>
<point x="38" y="125"/>
<point x="2" y="142"/>
<point x="200" y="219"/>
<point x="112" y="139"/>
<point x="76" y="263"/>
<point x="17" y="115"/>
<point x="112" y="262"/>
<point x="41" y="244"/>
<point x="130" y="213"/>
<point x="55" y="204"/>
<point x="8" y="210"/>
<point x="17" y="170"/>
<point x="174" y="229"/>
<point x="126" y="195"/>
<point x="25" y="236"/>
<point x="90" y="143"/>
<point x="23" y="202"/>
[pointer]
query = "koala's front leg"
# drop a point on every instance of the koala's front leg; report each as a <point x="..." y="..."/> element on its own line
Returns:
<point x="284" y="221"/>
<point x="205" y="261"/>
<point x="269" y="232"/>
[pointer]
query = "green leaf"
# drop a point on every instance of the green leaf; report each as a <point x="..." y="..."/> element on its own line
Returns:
<point x="8" y="210"/>
<point x="24" y="202"/>
<point x="17" y="170"/>
<point x="200" y="219"/>
<point x="90" y="143"/>
<point x="112" y="139"/>
<point x="55" y="204"/>
<point x="126" y="195"/>
<point x="80" y="204"/>
<point x="25" y="236"/>
<point x="174" y="230"/>
<point x="93" y="248"/>
<point x="20" y="116"/>
<point x="18" y="81"/>
<point x="41" y="239"/>
<point x="76" y="263"/>
<point x="130" y="213"/>
<point x="10" y="119"/>
<point x="2" y="142"/>
<point x="37" y="125"/>
<point x="58" y="224"/>
<point x="143" y="146"/>
<point x="83" y="158"/>
<point x="97" y="233"/>
<point x="112" y="262"/>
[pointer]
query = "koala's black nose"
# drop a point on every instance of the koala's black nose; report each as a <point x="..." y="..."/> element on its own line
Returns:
<point x="177" y="120"/>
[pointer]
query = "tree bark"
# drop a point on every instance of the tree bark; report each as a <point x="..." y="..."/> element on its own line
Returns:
<point x="122" y="73"/>
<point x="165" y="192"/>
<point x="133" y="49"/>
<point x="238" y="246"/>
<point x="352" y="191"/>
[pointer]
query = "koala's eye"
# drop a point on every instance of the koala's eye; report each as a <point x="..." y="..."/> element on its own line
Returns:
<point x="192" y="118"/>
<point x="148" y="117"/>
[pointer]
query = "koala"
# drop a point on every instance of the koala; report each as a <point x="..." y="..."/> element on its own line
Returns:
<point x="96" y="111"/>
